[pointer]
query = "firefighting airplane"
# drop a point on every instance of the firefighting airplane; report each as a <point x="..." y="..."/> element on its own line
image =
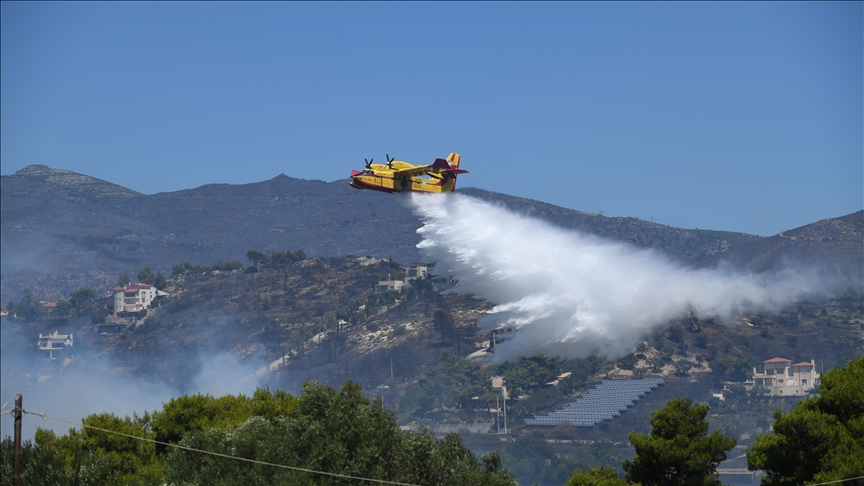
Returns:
<point x="398" y="176"/>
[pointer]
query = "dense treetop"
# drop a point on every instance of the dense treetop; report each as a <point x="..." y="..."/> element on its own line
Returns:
<point x="821" y="439"/>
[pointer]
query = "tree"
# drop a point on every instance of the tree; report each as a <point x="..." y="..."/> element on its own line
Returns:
<point x="281" y="259"/>
<point x="682" y="366"/>
<point x="160" y="282"/>
<point x="106" y="458"/>
<point x="257" y="258"/>
<point x="123" y="280"/>
<point x="178" y="269"/>
<point x="191" y="413"/>
<point x="442" y="321"/>
<point x="628" y="362"/>
<point x="145" y="275"/>
<point x="63" y="306"/>
<point x="329" y="321"/>
<point x="27" y="308"/>
<point x="334" y="431"/>
<point x="676" y="332"/>
<point x="82" y="296"/>
<point x="735" y="368"/>
<point x="226" y="266"/>
<point x="604" y="476"/>
<point x="39" y="465"/>
<point x="821" y="439"/>
<point x="679" y="451"/>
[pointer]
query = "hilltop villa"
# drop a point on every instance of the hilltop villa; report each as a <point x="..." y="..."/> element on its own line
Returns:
<point x="783" y="379"/>
<point x="134" y="299"/>
<point x="411" y="273"/>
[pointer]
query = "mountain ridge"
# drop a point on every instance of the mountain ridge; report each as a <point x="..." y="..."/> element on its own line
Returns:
<point x="62" y="230"/>
<point x="87" y="185"/>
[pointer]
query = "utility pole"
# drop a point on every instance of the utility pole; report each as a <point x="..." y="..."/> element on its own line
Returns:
<point x="498" y="413"/>
<point x="504" y="394"/>
<point x="16" y="475"/>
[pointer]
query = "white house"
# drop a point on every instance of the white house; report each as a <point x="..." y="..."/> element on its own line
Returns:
<point x="386" y="285"/>
<point x="54" y="343"/>
<point x="413" y="273"/>
<point x="134" y="298"/>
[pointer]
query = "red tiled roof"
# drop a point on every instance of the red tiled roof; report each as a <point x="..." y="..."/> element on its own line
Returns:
<point x="777" y="360"/>
<point x="131" y="286"/>
<point x="803" y="363"/>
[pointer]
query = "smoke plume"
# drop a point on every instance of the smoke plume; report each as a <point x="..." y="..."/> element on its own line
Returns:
<point x="570" y="294"/>
<point x="96" y="385"/>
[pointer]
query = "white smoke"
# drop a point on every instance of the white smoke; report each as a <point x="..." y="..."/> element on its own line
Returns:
<point x="94" y="387"/>
<point x="570" y="294"/>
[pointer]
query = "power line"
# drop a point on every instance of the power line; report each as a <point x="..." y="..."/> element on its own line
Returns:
<point x="254" y="461"/>
<point x="837" y="481"/>
<point x="217" y="454"/>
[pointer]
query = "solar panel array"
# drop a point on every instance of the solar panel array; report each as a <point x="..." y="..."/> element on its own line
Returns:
<point x="604" y="402"/>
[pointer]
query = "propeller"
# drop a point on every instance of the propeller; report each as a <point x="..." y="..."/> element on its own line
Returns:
<point x="368" y="163"/>
<point x="389" y="161"/>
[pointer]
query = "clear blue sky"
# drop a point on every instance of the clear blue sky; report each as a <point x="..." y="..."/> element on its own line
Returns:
<point x="733" y="116"/>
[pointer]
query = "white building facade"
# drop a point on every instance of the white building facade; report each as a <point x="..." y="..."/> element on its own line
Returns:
<point x="55" y="343"/>
<point x="133" y="298"/>
<point x="783" y="378"/>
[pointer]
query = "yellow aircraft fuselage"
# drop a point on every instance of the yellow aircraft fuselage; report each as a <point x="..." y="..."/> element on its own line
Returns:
<point x="399" y="176"/>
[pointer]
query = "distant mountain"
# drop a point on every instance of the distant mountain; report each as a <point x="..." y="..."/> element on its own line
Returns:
<point x="61" y="230"/>
<point x="85" y="185"/>
<point x="833" y="242"/>
<point x="57" y="237"/>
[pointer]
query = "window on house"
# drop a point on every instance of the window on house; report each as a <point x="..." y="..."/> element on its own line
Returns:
<point x="789" y="371"/>
<point x="804" y="382"/>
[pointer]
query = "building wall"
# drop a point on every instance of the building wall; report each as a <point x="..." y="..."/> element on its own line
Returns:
<point x="119" y="302"/>
<point x="131" y="302"/>
<point x="789" y="391"/>
<point x="783" y="379"/>
<point x="385" y="285"/>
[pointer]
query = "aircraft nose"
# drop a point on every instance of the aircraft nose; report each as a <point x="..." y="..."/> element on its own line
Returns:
<point x="354" y="173"/>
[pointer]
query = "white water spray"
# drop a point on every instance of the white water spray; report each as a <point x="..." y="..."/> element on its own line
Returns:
<point x="570" y="294"/>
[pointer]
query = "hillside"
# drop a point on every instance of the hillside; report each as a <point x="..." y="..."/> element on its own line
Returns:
<point x="84" y="185"/>
<point x="56" y="238"/>
<point x="836" y="242"/>
<point x="322" y="317"/>
<point x="318" y="313"/>
<point x="318" y="319"/>
<point x="62" y="230"/>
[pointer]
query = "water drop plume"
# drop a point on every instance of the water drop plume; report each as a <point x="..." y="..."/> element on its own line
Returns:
<point x="571" y="294"/>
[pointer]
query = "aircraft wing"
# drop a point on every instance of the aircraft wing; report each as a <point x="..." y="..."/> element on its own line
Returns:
<point x="413" y="172"/>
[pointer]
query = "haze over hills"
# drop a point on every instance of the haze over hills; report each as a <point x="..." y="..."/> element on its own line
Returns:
<point x="62" y="230"/>
<point x="319" y="319"/>
<point x="832" y="241"/>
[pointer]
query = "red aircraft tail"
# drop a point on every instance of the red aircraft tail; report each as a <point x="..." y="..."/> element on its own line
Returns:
<point x="450" y="167"/>
<point x="454" y="160"/>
